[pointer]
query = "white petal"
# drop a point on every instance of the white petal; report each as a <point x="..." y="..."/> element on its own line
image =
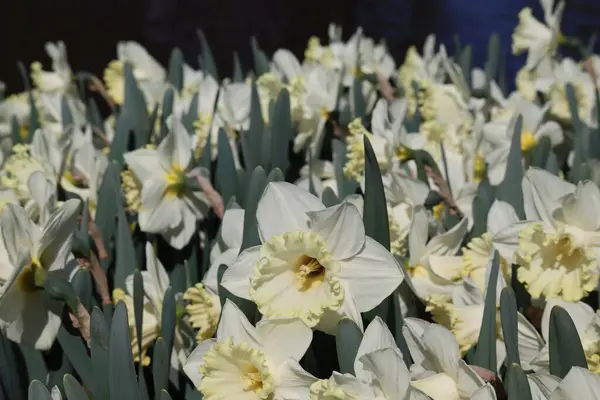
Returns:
<point x="283" y="338"/>
<point x="581" y="208"/>
<point x="57" y="235"/>
<point x="485" y="392"/>
<point x="282" y="208"/>
<point x="500" y="216"/>
<point x="541" y="192"/>
<point x="449" y="242"/>
<point x="373" y="274"/>
<point x="412" y="331"/>
<point x="542" y="385"/>
<point x="182" y="143"/>
<point x="18" y="232"/>
<point x="235" y="325"/>
<point x="191" y="367"/>
<point x="507" y="240"/>
<point x="159" y="213"/>
<point x="156" y="269"/>
<point x="232" y="227"/>
<point x="377" y="336"/>
<point x="144" y="163"/>
<point x="293" y="382"/>
<point x="441" y="349"/>
<point x="341" y="227"/>
<point x="237" y="277"/>
<point x="468" y="380"/>
<point x="390" y="371"/>
<point x="579" y="384"/>
<point x="419" y="230"/>
<point x="530" y="342"/>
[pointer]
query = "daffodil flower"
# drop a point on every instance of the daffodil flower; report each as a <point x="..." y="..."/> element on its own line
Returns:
<point x="27" y="313"/>
<point x="251" y="363"/>
<point x="438" y="370"/>
<point x="556" y="247"/>
<point x="169" y="206"/>
<point x="50" y="107"/>
<point x="323" y="176"/>
<point x="44" y="199"/>
<point x="579" y="384"/>
<point x="539" y="39"/>
<point x="314" y="263"/>
<point x="60" y="78"/>
<point x="499" y="131"/>
<point x="229" y="240"/>
<point x="362" y="56"/>
<point x="204" y="306"/>
<point x="583" y="86"/>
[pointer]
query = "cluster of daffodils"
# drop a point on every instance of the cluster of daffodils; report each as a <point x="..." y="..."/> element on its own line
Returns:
<point x="335" y="227"/>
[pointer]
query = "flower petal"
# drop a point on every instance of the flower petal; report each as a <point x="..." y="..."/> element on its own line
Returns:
<point x="282" y="208"/>
<point x="341" y="227"/>
<point x="144" y="163"/>
<point x="57" y="235"/>
<point x="373" y="274"/>
<point x="500" y="216"/>
<point x="579" y="384"/>
<point x="156" y="270"/>
<point x="284" y="338"/>
<point x="235" y="325"/>
<point x="390" y="371"/>
<point x="581" y="208"/>
<point x="448" y="243"/>
<point x="232" y="227"/>
<point x="191" y="367"/>
<point x="293" y="382"/>
<point x="18" y="232"/>
<point x="507" y="240"/>
<point x="541" y="193"/>
<point x="377" y="336"/>
<point x="237" y="277"/>
<point x="441" y="349"/>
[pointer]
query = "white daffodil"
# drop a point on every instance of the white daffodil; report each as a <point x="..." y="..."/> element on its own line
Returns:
<point x="323" y="176"/>
<point x="362" y="56"/>
<point x="556" y="247"/>
<point x="150" y="75"/>
<point x="587" y="324"/>
<point x="17" y="106"/>
<point x="60" y="78"/>
<point x="251" y="363"/>
<point x="539" y="39"/>
<point x="44" y="199"/>
<point x="155" y="283"/>
<point x="234" y="105"/>
<point x="84" y="174"/>
<point x="499" y="131"/>
<point x="51" y="109"/>
<point x="204" y="306"/>
<point x="329" y="56"/>
<point x="438" y="370"/>
<point x="168" y="205"/>
<point x="230" y="237"/>
<point x="402" y="194"/>
<point x="583" y="86"/>
<point x="27" y="313"/>
<point x="314" y="263"/>
<point x="45" y="154"/>
<point x="428" y="275"/>
<point x="579" y="384"/>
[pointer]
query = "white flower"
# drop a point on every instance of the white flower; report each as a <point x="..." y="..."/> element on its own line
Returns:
<point x="229" y="240"/>
<point x="323" y="176"/>
<point x="249" y="363"/>
<point x="60" y="78"/>
<point x="579" y="384"/>
<point x="438" y="370"/>
<point x="556" y="247"/>
<point x="314" y="263"/>
<point x="169" y="206"/>
<point x="44" y="199"/>
<point x="27" y="313"/>
<point x="537" y="38"/>
<point x="583" y="87"/>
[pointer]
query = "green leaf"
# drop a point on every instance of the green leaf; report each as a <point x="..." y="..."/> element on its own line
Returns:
<point x="77" y="353"/>
<point x="329" y="197"/>
<point x="169" y="319"/>
<point x="238" y="74"/>
<point x="15" y="130"/>
<point x="493" y="58"/>
<point x="34" y="362"/>
<point x="176" y="69"/>
<point x="481" y="206"/>
<point x="73" y="389"/>
<point x="564" y="343"/>
<point x="225" y="170"/>
<point x="413" y="124"/>
<point x="120" y="142"/>
<point x="485" y="354"/>
<point x="99" y="341"/>
<point x="65" y="114"/>
<point x="191" y="115"/>
<point x="122" y="379"/>
<point x="93" y="115"/>
<point x="541" y="152"/>
<point x="261" y="62"/>
<point x="578" y="126"/>
<point x="375" y="216"/>
<point x="358" y="99"/>
<point x="347" y="342"/>
<point x="59" y="288"/>
<point x="138" y="306"/>
<point x="9" y="375"/>
<point x="251" y="140"/>
<point x="208" y="61"/>
<point x="164" y="395"/>
<point x="509" y="321"/>
<point x="517" y="384"/>
<point x="125" y="263"/>
<point x="465" y="63"/>
<point x="281" y="131"/>
<point x="346" y="186"/>
<point x="84" y="289"/>
<point x="510" y="189"/>
<point x="161" y="365"/>
<point x="106" y="209"/>
<point x="167" y="110"/>
<point x="37" y="391"/>
<point x="135" y="106"/>
<point x="275" y="176"/>
<point x="256" y="187"/>
<point x="34" y="118"/>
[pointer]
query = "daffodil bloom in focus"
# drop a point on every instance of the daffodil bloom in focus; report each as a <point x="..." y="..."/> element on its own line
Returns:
<point x="27" y="313"/>
<point x="556" y="247"/>
<point x="60" y="78"/>
<point x="587" y="324"/>
<point x="538" y="39"/>
<point x="429" y="273"/>
<point x="45" y="154"/>
<point x="579" y="384"/>
<point x="498" y="133"/>
<point x="169" y="206"/>
<point x="314" y="263"/>
<point x="438" y="371"/>
<point x="155" y="283"/>
<point x="251" y="363"/>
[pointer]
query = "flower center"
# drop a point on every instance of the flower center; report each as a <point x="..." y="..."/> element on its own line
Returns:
<point x="29" y="280"/>
<point x="175" y="182"/>
<point x="325" y="390"/>
<point x="479" y="168"/>
<point x="203" y="310"/>
<point x="234" y="371"/>
<point x="296" y="277"/>
<point x="528" y="141"/>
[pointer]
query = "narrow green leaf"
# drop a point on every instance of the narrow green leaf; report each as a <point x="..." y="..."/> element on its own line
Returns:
<point x="73" y="389"/>
<point x="251" y="140"/>
<point x="99" y="341"/>
<point x="176" y="69"/>
<point x="34" y="362"/>
<point x="261" y="62"/>
<point x="485" y="354"/>
<point x="208" y="61"/>
<point x="375" y="216"/>
<point x="346" y="186"/>
<point x="15" y="130"/>
<point x="83" y="286"/>
<point x="160" y="365"/>
<point x="125" y="263"/>
<point x="358" y="99"/>
<point x="65" y="114"/>
<point x="34" y="118"/>
<point x="167" y="110"/>
<point x="37" y="391"/>
<point x="517" y="386"/>
<point x="510" y="189"/>
<point x="77" y="353"/>
<point x="481" y="206"/>
<point x="106" y="209"/>
<point x="541" y="152"/>
<point x="574" y="109"/>
<point x="122" y="379"/>
<point x="191" y="115"/>
<point x="329" y="197"/>
<point x="59" y="288"/>
<point x="225" y="169"/>
<point x="493" y="57"/>
<point x="93" y="115"/>
<point x="120" y="143"/>
<point x="258" y="182"/>
<point x="24" y="75"/>
<point x="276" y="175"/>
<point x="138" y="306"/>
<point x="347" y="341"/>
<point x="281" y="131"/>
<point x="169" y="319"/>
<point x="412" y="124"/>
<point x="465" y="62"/>
<point x="509" y="321"/>
<point x="164" y="395"/>
<point x="238" y="74"/>
<point x="564" y="344"/>
<point x="9" y="375"/>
